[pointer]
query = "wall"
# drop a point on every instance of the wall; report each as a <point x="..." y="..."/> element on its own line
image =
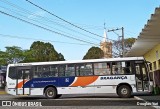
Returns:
<point x="154" y="56"/>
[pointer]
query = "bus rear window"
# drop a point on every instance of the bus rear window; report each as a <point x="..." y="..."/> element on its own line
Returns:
<point x="12" y="73"/>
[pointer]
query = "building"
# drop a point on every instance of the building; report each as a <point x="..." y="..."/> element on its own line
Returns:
<point x="106" y="46"/>
<point x="148" y="45"/>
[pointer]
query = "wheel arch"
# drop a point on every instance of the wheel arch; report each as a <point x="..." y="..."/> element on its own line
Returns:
<point x="48" y="87"/>
<point x="123" y="84"/>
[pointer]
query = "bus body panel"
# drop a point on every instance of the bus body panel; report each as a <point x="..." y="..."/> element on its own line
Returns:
<point x="72" y="84"/>
<point x="75" y="90"/>
<point x="36" y="91"/>
<point x="108" y="84"/>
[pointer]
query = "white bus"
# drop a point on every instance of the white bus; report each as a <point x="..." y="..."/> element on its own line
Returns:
<point x="122" y="76"/>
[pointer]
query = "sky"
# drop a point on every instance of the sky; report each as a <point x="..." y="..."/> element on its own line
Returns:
<point x="87" y="14"/>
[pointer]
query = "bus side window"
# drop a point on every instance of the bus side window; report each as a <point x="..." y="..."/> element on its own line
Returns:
<point x="89" y="69"/>
<point x="96" y="70"/>
<point x="54" y="71"/>
<point x="108" y="69"/>
<point x="102" y="68"/>
<point x="20" y="74"/>
<point x="82" y="70"/>
<point x="45" y="71"/>
<point x="70" y="70"/>
<point x="37" y="71"/>
<point x="77" y="70"/>
<point x="116" y="68"/>
<point x="27" y="74"/>
<point x="126" y="66"/>
<point x="23" y="73"/>
<point x="86" y="69"/>
<point x="61" y="71"/>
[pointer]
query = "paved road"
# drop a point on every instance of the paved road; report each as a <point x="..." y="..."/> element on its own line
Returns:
<point x="77" y="102"/>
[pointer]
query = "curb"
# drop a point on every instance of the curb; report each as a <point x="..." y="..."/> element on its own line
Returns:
<point x="138" y="98"/>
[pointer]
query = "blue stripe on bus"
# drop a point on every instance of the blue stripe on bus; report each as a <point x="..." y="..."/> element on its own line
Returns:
<point x="55" y="81"/>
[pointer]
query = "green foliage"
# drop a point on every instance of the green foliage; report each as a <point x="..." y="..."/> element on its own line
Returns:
<point x="2" y="58"/>
<point x="117" y="46"/>
<point x="129" y="42"/>
<point x="28" y="56"/>
<point x="12" y="54"/>
<point x="38" y="52"/>
<point x="94" y="53"/>
<point x="61" y="57"/>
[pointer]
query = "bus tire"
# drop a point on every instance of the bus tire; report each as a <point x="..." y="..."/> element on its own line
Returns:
<point x="50" y="93"/>
<point x="124" y="91"/>
<point x="58" y="95"/>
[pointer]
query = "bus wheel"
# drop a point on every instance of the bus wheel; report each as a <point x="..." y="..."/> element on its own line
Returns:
<point x="50" y="93"/>
<point x="58" y="95"/>
<point x="124" y="91"/>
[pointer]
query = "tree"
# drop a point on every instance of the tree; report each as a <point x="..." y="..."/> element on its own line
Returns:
<point x="61" y="57"/>
<point x="40" y="51"/>
<point x="28" y="56"/>
<point x="2" y="58"/>
<point x="117" y="46"/>
<point x="12" y="54"/>
<point x="129" y="42"/>
<point x="94" y="53"/>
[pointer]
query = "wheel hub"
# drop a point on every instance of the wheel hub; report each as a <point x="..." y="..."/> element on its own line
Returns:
<point x="50" y="93"/>
<point x="124" y="91"/>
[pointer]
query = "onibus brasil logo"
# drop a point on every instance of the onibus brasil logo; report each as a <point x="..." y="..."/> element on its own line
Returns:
<point x="19" y="103"/>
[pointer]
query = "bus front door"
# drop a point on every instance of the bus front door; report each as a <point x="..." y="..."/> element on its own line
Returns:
<point x="142" y="80"/>
<point x="23" y="75"/>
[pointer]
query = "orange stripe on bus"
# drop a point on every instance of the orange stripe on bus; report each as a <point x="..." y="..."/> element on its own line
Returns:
<point x="84" y="81"/>
<point x="20" y="84"/>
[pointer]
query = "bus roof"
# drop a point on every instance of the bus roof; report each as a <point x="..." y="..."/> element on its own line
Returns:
<point x="78" y="61"/>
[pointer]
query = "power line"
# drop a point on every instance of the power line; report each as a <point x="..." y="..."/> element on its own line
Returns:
<point x="36" y="21"/>
<point x="120" y="36"/>
<point x="47" y="19"/>
<point x="63" y="19"/>
<point x="26" y="38"/>
<point x="45" y="28"/>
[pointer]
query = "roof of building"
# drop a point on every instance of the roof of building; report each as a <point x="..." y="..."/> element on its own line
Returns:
<point x="148" y="37"/>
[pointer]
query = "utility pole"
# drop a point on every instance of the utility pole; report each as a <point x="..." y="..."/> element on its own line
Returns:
<point x="113" y="30"/>
<point x="122" y="42"/>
